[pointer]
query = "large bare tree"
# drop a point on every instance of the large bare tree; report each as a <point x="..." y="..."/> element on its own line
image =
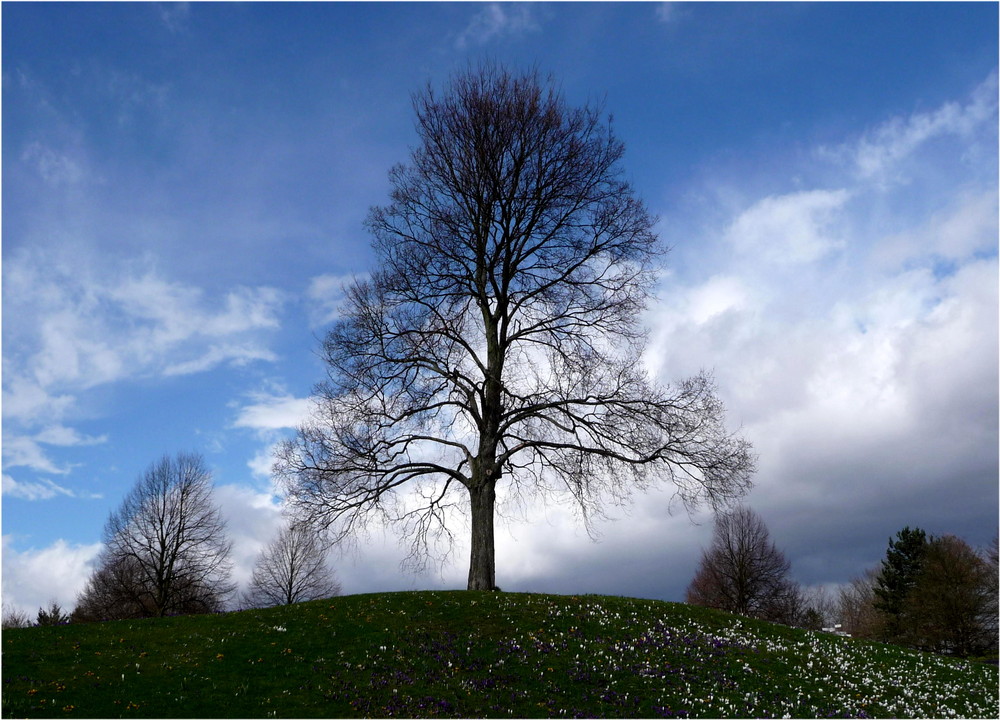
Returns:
<point x="744" y="572"/>
<point x="498" y="342"/>
<point x="165" y="548"/>
<point x="292" y="568"/>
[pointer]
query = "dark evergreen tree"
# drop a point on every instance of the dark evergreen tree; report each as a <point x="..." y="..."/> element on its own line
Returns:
<point x="54" y="615"/>
<point x="902" y="563"/>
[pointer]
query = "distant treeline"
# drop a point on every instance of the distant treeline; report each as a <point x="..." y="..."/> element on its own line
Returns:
<point x="929" y="593"/>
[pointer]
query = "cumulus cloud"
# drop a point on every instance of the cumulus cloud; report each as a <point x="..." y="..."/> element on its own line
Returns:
<point x="273" y="412"/>
<point x="252" y="520"/>
<point x="269" y="414"/>
<point x="793" y="229"/>
<point x="34" y="577"/>
<point x="853" y="332"/>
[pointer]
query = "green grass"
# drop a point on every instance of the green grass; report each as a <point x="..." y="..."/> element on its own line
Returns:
<point x="473" y="655"/>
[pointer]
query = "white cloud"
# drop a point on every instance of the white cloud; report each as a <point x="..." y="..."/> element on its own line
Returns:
<point x="55" y="168"/>
<point x="67" y="437"/>
<point x="35" y="577"/>
<point x="215" y="355"/>
<point x="40" y="490"/>
<point x="498" y="20"/>
<point x="252" y="519"/>
<point x="273" y="412"/>
<point x="721" y="294"/>
<point x="72" y="324"/>
<point x="26" y="451"/>
<point x="965" y="226"/>
<point x="268" y="415"/>
<point x="854" y="334"/>
<point x="789" y="229"/>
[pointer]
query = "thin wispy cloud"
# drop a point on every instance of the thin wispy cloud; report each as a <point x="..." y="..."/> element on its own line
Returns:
<point x="80" y="325"/>
<point x="498" y="21"/>
<point x="325" y="295"/>
<point x="666" y="12"/>
<point x="175" y="15"/>
<point x="880" y="154"/>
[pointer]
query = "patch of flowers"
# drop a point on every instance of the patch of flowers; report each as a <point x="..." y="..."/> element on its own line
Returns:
<point x="576" y="660"/>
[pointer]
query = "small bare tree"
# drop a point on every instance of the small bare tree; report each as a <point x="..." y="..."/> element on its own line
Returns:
<point x="856" y="606"/>
<point x="819" y="609"/>
<point x="291" y="569"/>
<point x="165" y="548"/>
<point x="743" y="572"/>
<point x="13" y="618"/>
<point x="498" y="344"/>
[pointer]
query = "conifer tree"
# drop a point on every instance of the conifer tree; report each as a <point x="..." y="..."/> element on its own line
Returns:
<point x="902" y="563"/>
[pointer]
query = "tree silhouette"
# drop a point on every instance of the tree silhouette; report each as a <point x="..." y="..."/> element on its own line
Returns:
<point x="165" y="548"/>
<point x="291" y="569"/>
<point x="498" y="344"/>
<point x="896" y="579"/>
<point x="744" y="572"/>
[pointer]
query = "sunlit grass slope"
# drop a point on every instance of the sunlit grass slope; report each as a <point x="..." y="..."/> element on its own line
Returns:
<point x="476" y="654"/>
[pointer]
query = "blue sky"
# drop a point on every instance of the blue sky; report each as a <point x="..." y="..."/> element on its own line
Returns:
<point x="184" y="187"/>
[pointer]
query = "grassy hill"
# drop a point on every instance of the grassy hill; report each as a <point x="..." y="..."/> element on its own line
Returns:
<point x="476" y="654"/>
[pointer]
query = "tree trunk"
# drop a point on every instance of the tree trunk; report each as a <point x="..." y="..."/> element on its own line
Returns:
<point x="482" y="564"/>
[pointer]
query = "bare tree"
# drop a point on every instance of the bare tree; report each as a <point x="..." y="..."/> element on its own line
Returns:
<point x="108" y="595"/>
<point x="819" y="609"/>
<point x="291" y="569"/>
<point x="165" y="548"/>
<point x="12" y="618"/>
<point x="497" y="344"/>
<point x="743" y="572"/>
<point x="856" y="605"/>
